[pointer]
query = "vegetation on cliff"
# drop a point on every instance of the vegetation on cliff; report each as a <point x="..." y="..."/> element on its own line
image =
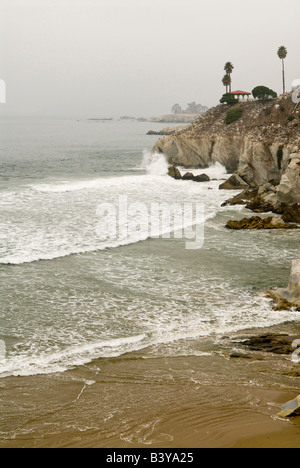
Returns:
<point x="233" y="115"/>
<point x="263" y="93"/>
<point x="264" y="120"/>
<point x="282" y="54"/>
<point x="227" y="80"/>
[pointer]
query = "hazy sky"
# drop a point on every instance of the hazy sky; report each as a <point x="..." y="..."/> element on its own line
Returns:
<point x="106" y="58"/>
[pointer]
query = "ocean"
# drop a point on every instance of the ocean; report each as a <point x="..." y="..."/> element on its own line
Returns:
<point x="71" y="295"/>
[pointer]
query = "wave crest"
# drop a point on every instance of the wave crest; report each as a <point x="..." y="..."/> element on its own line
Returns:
<point x="155" y="163"/>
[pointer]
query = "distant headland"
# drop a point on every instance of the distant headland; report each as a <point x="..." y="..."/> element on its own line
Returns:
<point x="178" y="115"/>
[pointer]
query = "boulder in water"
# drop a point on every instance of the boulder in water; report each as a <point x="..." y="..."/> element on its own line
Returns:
<point x="201" y="178"/>
<point x="272" y="343"/>
<point x="188" y="176"/>
<point x="235" y="182"/>
<point x="198" y="178"/>
<point x="174" y="172"/>
<point x="291" y="408"/>
<point x="256" y="222"/>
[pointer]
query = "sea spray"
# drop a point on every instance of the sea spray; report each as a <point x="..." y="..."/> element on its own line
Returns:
<point x="59" y="219"/>
<point x="154" y="163"/>
<point x="108" y="300"/>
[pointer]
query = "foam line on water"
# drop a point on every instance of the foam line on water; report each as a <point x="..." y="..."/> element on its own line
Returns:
<point x="77" y="355"/>
<point x="59" y="220"/>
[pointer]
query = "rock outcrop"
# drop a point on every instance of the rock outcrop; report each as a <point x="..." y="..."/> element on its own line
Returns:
<point x="288" y="190"/>
<point x="175" y="173"/>
<point x="256" y="222"/>
<point x="235" y="182"/>
<point x="290" y="409"/>
<point x="271" y="343"/>
<point x="261" y="148"/>
<point x="190" y="151"/>
<point x="289" y="297"/>
<point x="264" y="199"/>
<point x="201" y="178"/>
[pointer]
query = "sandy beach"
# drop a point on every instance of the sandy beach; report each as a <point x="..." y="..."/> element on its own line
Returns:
<point x="138" y="400"/>
<point x="137" y="345"/>
<point x="149" y="225"/>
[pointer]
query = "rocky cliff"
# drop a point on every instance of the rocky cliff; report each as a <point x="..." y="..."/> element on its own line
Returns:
<point x="262" y="147"/>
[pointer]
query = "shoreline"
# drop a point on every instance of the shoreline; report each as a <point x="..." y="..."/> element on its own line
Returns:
<point x="140" y="400"/>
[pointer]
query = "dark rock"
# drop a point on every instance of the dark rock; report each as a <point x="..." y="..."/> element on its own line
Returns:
<point x="284" y="304"/>
<point x="258" y="205"/>
<point x="188" y="176"/>
<point x="201" y="178"/>
<point x="239" y="356"/>
<point x="271" y="343"/>
<point x="291" y="214"/>
<point x="295" y="373"/>
<point x="174" y="172"/>
<point x="242" y="198"/>
<point x="255" y="222"/>
<point x="235" y="182"/>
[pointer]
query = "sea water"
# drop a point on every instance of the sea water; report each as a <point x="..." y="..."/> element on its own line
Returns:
<point x="71" y="294"/>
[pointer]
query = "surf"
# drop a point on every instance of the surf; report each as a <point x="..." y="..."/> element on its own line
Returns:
<point x="60" y="219"/>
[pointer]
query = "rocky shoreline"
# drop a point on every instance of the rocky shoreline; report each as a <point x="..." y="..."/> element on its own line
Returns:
<point x="175" y="173"/>
<point x="271" y="343"/>
<point x="262" y="147"/>
<point x="261" y="150"/>
<point x="262" y="200"/>
<point x="256" y="222"/>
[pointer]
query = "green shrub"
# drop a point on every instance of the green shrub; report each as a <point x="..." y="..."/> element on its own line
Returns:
<point x="228" y="99"/>
<point x="291" y="118"/>
<point x="233" y="115"/>
<point x="263" y="93"/>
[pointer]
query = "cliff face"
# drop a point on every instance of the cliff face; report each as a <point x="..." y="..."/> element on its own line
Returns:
<point x="258" y="147"/>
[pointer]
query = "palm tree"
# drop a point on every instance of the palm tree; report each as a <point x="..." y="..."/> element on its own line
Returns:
<point x="282" y="53"/>
<point x="229" y="69"/>
<point x="226" y="81"/>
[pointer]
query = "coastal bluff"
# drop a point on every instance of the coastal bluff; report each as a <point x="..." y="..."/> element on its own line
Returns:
<point x="262" y="147"/>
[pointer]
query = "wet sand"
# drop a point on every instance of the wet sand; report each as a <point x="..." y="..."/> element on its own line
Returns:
<point x="139" y="400"/>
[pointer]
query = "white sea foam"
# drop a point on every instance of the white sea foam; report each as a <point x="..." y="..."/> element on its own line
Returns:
<point x="155" y="163"/>
<point x="170" y="332"/>
<point x="60" y="219"/>
<point x="61" y="314"/>
<point x="69" y="186"/>
<point x="44" y="363"/>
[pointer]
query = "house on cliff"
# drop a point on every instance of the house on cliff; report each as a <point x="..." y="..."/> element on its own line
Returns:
<point x="241" y="94"/>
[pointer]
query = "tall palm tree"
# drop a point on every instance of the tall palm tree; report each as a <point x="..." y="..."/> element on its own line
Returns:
<point x="282" y="53"/>
<point x="226" y="81"/>
<point x="229" y="69"/>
